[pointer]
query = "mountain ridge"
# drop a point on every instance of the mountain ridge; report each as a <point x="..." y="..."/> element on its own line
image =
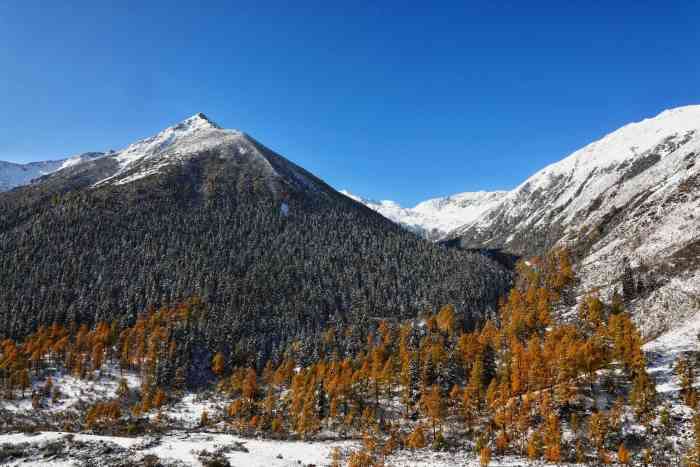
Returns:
<point x="626" y="204"/>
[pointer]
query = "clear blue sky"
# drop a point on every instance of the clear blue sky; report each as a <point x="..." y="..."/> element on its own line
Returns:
<point x="387" y="99"/>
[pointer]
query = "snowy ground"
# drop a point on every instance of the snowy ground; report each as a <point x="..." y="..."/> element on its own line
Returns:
<point x="184" y="446"/>
<point x="663" y="352"/>
<point x="182" y="449"/>
<point x="75" y="390"/>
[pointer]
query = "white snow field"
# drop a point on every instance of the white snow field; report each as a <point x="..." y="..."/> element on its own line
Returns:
<point x="13" y="174"/>
<point x="434" y="218"/>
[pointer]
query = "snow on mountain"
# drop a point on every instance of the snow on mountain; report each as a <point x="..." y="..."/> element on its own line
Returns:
<point x="628" y="204"/>
<point x="435" y="217"/>
<point x="13" y="175"/>
<point x="196" y="137"/>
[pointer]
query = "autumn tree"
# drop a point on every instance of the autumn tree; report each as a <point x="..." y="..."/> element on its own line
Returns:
<point x="204" y="419"/>
<point x="218" y="363"/>
<point x="598" y="430"/>
<point x="485" y="457"/>
<point x="416" y="440"/>
<point x="159" y="398"/>
<point x="552" y="438"/>
<point x="623" y="456"/>
<point x="534" y="446"/>
<point x="685" y="370"/>
<point x="433" y="407"/>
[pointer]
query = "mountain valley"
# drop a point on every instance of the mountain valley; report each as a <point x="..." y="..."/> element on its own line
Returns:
<point x="198" y="299"/>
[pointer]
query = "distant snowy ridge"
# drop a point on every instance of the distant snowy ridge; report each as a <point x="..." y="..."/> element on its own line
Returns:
<point x="435" y="217"/>
<point x="13" y="174"/>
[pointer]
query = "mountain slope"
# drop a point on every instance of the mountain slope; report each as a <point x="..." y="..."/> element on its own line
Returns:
<point x="628" y="204"/>
<point x="276" y="254"/>
<point x="434" y="218"/>
<point x="13" y="175"/>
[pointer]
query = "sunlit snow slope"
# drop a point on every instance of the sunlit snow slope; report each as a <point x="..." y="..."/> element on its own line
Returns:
<point x="628" y="204"/>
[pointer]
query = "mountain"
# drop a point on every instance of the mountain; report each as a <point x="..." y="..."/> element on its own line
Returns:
<point x="13" y="175"/>
<point x="434" y="218"/>
<point x="628" y="205"/>
<point x="276" y="255"/>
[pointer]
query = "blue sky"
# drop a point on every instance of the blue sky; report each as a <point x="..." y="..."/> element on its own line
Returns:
<point x="399" y="100"/>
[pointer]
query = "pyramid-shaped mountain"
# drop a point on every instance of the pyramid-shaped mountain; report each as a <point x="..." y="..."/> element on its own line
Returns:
<point x="275" y="254"/>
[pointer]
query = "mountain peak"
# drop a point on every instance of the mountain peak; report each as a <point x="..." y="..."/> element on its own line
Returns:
<point x="198" y="120"/>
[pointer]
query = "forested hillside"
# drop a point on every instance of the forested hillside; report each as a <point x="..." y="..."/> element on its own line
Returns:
<point x="275" y="254"/>
<point x="529" y="384"/>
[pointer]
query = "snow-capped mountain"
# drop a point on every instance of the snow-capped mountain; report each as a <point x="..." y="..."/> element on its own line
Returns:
<point x="194" y="138"/>
<point x="435" y="217"/>
<point x="629" y="204"/>
<point x="175" y="145"/>
<point x="200" y="210"/>
<point x="13" y="175"/>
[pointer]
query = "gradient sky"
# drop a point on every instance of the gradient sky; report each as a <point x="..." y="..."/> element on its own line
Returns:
<point x="396" y="100"/>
